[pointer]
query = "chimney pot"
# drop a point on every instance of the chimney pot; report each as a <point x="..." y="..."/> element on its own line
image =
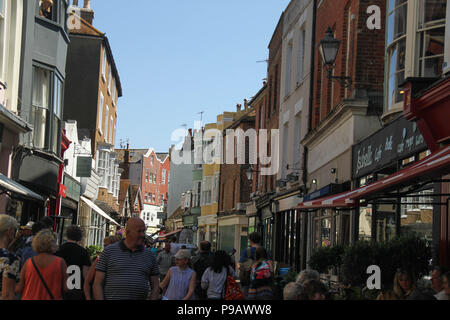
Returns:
<point x="87" y="4"/>
<point x="238" y="107"/>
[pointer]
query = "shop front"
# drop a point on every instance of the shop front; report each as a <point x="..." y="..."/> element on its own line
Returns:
<point x="69" y="206"/>
<point x="405" y="201"/>
<point x="233" y="233"/>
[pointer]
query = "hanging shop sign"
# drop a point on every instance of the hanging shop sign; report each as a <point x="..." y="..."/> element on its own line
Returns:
<point x="84" y="167"/>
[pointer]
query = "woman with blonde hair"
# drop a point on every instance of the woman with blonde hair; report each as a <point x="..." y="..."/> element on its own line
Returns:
<point x="404" y="285"/>
<point x="9" y="262"/>
<point x="43" y="277"/>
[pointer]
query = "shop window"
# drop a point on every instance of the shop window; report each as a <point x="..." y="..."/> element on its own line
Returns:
<point x="386" y="222"/>
<point x="48" y="9"/>
<point x="417" y="214"/>
<point x="365" y="223"/>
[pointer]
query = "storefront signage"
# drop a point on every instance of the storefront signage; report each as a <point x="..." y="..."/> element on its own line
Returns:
<point x="84" y="167"/>
<point x="398" y="140"/>
<point x="317" y="194"/>
<point x="62" y="191"/>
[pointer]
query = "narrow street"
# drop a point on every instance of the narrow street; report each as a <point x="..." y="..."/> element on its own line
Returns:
<point x="241" y="150"/>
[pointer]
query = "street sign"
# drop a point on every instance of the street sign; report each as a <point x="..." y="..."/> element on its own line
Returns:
<point x="84" y="167"/>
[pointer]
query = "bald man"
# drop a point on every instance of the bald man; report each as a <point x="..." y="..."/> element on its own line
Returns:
<point x="126" y="268"/>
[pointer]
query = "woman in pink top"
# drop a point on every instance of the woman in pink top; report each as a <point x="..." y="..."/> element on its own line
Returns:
<point x="52" y="269"/>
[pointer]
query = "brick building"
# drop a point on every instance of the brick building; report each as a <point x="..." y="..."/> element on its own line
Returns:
<point x="341" y="116"/>
<point x="92" y="89"/>
<point x="234" y="186"/>
<point x="149" y="170"/>
<point x="266" y="104"/>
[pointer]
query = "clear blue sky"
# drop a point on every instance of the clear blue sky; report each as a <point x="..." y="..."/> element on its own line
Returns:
<point x="177" y="58"/>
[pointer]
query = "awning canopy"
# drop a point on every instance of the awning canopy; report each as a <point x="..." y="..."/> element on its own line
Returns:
<point x="435" y="165"/>
<point x="19" y="190"/>
<point x="334" y="201"/>
<point x="98" y="210"/>
<point x="164" y="236"/>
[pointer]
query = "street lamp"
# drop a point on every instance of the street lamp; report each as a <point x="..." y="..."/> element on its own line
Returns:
<point x="328" y="48"/>
<point x="249" y="172"/>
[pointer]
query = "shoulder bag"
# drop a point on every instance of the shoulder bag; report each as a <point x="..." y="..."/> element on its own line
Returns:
<point x="42" y="279"/>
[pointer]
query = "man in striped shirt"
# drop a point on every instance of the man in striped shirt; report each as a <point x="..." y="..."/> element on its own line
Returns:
<point x="125" y="268"/>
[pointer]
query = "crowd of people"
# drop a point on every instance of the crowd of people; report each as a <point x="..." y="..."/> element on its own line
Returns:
<point x="33" y="267"/>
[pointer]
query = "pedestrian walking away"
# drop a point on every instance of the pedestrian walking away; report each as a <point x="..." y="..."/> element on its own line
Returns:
<point x="43" y="277"/>
<point x="200" y="263"/>
<point x="126" y="269"/>
<point x="261" y="277"/>
<point x="215" y="277"/>
<point x="75" y="255"/>
<point x="9" y="262"/>
<point x="180" y="280"/>
<point x="247" y="260"/>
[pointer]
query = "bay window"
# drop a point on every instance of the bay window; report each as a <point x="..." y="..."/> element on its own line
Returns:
<point x="46" y="110"/>
<point x="431" y="34"/>
<point x="419" y="25"/>
<point x="396" y="49"/>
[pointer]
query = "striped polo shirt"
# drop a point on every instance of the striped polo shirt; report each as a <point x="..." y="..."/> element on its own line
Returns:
<point x="127" y="273"/>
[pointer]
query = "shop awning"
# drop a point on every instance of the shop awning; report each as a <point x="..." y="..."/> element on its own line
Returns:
<point x="98" y="210"/>
<point x="19" y="190"/>
<point x="334" y="201"/>
<point x="164" y="236"/>
<point x="435" y="165"/>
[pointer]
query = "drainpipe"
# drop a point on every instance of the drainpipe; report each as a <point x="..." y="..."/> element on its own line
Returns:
<point x="311" y="93"/>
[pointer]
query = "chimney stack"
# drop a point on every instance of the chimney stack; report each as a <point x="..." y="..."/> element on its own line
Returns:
<point x="238" y="107"/>
<point x="190" y="132"/>
<point x="86" y="12"/>
<point x="245" y="104"/>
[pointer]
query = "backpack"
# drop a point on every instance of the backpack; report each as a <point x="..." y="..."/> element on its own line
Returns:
<point x="246" y="268"/>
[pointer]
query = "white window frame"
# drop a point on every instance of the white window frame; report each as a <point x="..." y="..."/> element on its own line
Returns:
<point x="109" y="81"/>
<point x="106" y="122"/>
<point x="104" y="65"/>
<point x="301" y="56"/>
<point x="412" y="55"/>
<point x="111" y="130"/>
<point x="288" y="70"/>
<point x="163" y="178"/>
<point x="102" y="171"/>
<point x="100" y="116"/>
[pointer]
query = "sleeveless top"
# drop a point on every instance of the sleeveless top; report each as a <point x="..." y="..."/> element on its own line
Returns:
<point x="35" y="289"/>
<point x="179" y="283"/>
